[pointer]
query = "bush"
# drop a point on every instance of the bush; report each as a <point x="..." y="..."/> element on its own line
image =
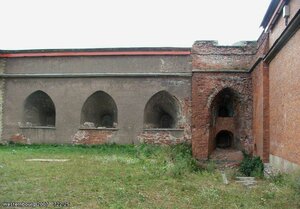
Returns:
<point x="182" y="159"/>
<point x="252" y="166"/>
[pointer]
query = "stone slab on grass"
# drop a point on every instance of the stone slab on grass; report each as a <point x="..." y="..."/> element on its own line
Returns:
<point x="47" y="160"/>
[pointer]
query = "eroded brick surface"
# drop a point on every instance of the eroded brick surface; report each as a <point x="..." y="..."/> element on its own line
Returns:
<point x="170" y="137"/>
<point x="205" y="86"/>
<point x="163" y="137"/>
<point x="92" y="137"/>
<point x="207" y="55"/>
<point x="19" y="139"/>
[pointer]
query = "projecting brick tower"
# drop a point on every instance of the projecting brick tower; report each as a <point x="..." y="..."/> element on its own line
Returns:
<point x="221" y="97"/>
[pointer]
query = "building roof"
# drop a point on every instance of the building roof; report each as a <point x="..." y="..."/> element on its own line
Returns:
<point x="270" y="11"/>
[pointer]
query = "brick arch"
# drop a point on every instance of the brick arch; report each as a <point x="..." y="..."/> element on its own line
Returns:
<point x="224" y="139"/>
<point x="218" y="102"/>
<point x="217" y="90"/>
<point x="39" y="110"/>
<point x="234" y="123"/>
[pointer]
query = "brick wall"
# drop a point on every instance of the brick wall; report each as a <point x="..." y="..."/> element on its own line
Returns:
<point x="260" y="81"/>
<point x="208" y="55"/>
<point x="216" y="68"/>
<point x="260" y="86"/>
<point x="285" y="102"/>
<point x="205" y="86"/>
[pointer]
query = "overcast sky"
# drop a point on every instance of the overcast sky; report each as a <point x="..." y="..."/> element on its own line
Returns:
<point x="34" y="24"/>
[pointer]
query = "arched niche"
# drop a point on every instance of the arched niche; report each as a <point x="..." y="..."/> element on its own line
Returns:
<point x="161" y="111"/>
<point x="224" y="104"/>
<point x="39" y="110"/>
<point x="224" y="139"/>
<point x="100" y="110"/>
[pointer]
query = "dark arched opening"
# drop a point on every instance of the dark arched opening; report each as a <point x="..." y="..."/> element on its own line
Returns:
<point x="39" y="110"/>
<point x="100" y="110"/>
<point x="224" y="103"/>
<point x="161" y="111"/>
<point x="224" y="139"/>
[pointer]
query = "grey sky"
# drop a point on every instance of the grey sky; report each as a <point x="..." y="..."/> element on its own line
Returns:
<point x="29" y="24"/>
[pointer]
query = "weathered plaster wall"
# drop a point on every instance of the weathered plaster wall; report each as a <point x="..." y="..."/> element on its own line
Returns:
<point x="2" y="82"/>
<point x="69" y="94"/>
<point x="96" y="64"/>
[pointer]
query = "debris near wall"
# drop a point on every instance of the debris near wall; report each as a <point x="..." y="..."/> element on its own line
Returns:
<point x="88" y="125"/>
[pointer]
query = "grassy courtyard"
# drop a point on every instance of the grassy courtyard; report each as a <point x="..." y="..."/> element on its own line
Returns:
<point x="144" y="176"/>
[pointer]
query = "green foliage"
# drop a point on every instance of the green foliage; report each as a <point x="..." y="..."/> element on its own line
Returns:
<point x="278" y="178"/>
<point x="175" y="160"/>
<point x="296" y="185"/>
<point x="211" y="166"/>
<point x="128" y="176"/>
<point x="252" y="166"/>
<point x="182" y="159"/>
<point x="292" y="180"/>
<point x="147" y="150"/>
<point x="295" y="182"/>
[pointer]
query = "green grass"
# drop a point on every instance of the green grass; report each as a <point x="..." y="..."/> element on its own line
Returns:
<point x="128" y="176"/>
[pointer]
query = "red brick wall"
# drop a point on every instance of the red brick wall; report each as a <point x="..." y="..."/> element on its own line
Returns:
<point x="260" y="81"/>
<point x="207" y="55"/>
<point x="260" y="86"/>
<point x="285" y="102"/>
<point x="205" y="86"/>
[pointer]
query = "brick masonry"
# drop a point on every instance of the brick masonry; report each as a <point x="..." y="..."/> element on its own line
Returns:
<point x="208" y="55"/>
<point x="205" y="86"/>
<point x="260" y="85"/>
<point x="92" y="136"/>
<point x="216" y="68"/>
<point x="181" y="134"/>
<point x="285" y="101"/>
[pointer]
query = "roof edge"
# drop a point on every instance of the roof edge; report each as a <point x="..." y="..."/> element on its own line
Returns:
<point x="95" y="52"/>
<point x="269" y="13"/>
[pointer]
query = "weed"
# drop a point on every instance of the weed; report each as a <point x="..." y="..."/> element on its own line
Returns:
<point x="182" y="160"/>
<point x="278" y="178"/>
<point x="295" y="182"/>
<point x="128" y="176"/>
<point x="211" y="166"/>
<point x="252" y="166"/>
